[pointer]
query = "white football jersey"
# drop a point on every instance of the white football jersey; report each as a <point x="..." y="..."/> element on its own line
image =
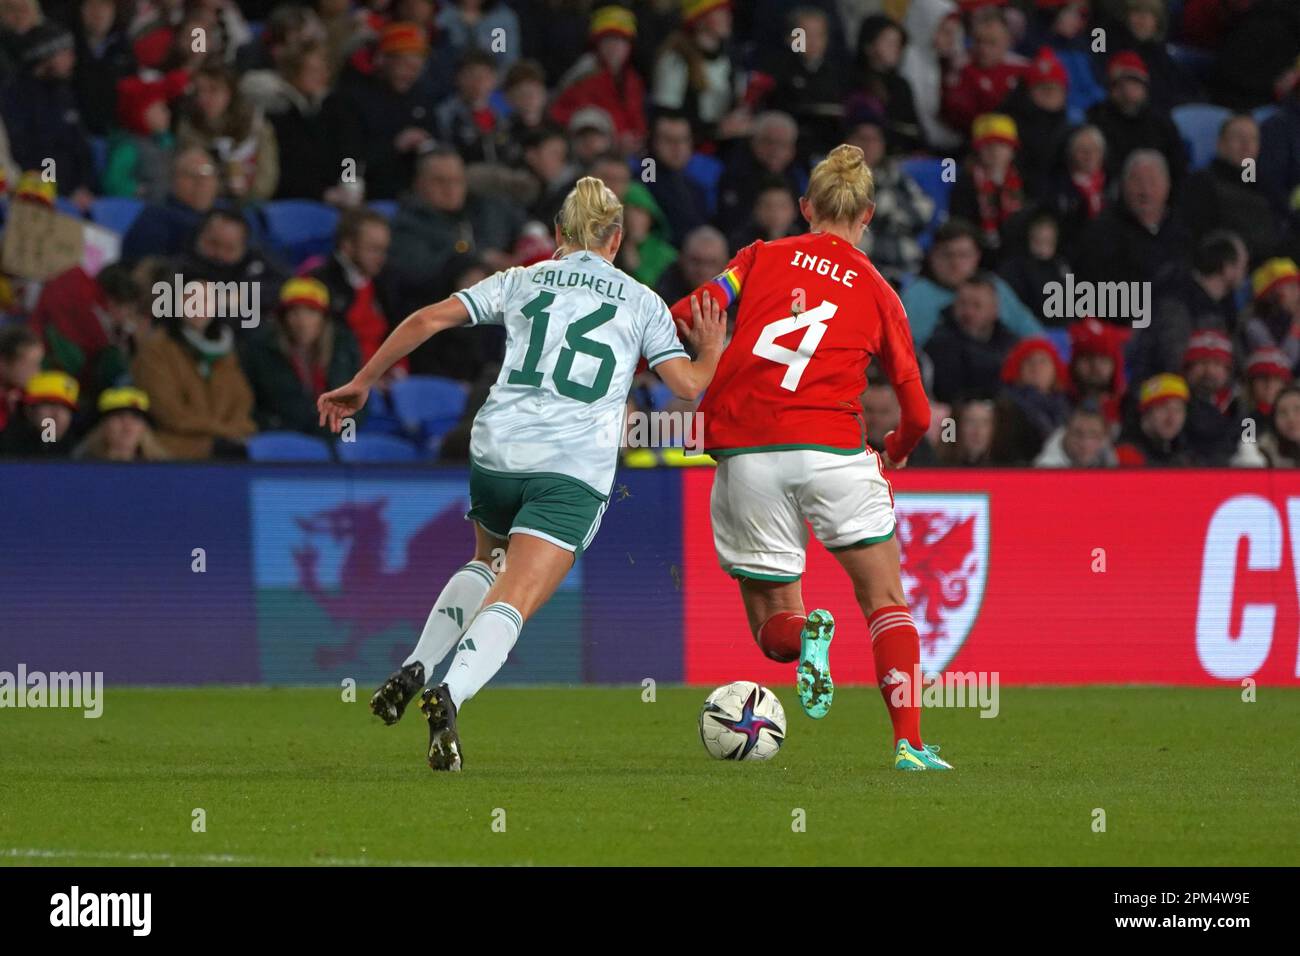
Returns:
<point x="576" y="328"/>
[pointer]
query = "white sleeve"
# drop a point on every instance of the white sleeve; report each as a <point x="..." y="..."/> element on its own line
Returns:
<point x="486" y="299"/>
<point x="659" y="341"/>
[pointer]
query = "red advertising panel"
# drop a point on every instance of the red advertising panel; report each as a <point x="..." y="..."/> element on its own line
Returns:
<point x="1071" y="577"/>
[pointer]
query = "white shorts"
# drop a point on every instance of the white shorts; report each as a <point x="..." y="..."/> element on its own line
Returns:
<point x="763" y="502"/>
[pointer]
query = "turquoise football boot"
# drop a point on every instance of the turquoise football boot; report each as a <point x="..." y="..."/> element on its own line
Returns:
<point x="927" y="758"/>
<point x="813" y="675"/>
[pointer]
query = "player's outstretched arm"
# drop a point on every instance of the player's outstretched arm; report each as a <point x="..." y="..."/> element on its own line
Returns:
<point x="705" y="335"/>
<point x="416" y="328"/>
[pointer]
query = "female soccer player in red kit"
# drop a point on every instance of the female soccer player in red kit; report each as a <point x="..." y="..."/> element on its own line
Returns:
<point x="784" y="420"/>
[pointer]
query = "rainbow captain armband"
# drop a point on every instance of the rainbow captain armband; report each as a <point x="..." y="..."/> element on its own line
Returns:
<point x="729" y="282"/>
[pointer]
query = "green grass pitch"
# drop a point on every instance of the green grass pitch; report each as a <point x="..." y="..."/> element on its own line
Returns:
<point x="596" y="776"/>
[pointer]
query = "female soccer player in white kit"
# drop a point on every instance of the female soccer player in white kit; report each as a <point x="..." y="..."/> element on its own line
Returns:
<point x="545" y="444"/>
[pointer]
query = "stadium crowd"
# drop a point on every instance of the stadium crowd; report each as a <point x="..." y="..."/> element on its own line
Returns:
<point x="1146" y="152"/>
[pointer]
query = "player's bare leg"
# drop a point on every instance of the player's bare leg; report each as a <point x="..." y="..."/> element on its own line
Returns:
<point x="452" y="613"/>
<point x="533" y="569"/>
<point x="895" y="647"/>
<point x="784" y="632"/>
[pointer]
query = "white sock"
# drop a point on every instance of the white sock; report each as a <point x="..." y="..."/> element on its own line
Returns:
<point x="483" y="650"/>
<point x="451" y="615"/>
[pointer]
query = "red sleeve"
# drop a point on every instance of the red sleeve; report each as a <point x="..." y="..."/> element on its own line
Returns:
<point x="725" y="287"/>
<point x="898" y="359"/>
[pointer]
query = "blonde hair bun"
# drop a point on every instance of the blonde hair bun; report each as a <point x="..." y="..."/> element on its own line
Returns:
<point x="841" y="187"/>
<point x="590" y="215"/>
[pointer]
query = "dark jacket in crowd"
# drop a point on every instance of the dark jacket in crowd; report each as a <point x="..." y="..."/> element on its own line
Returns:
<point x="368" y="115"/>
<point x="742" y="179"/>
<point x="281" y="401"/>
<point x="1116" y="247"/>
<point x="425" y="238"/>
<point x="1279" y="153"/>
<point x="1180" y="308"/>
<point x="682" y="202"/>
<point x="95" y="80"/>
<point x="1042" y="139"/>
<point x="311" y="159"/>
<point x="162" y="229"/>
<point x="44" y="124"/>
<point x="965" y="367"/>
<point x="1217" y="198"/>
<point x="1147" y="129"/>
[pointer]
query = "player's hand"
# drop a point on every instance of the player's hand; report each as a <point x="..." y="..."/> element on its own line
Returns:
<point x="341" y="403"/>
<point x="889" y="462"/>
<point x="708" y="329"/>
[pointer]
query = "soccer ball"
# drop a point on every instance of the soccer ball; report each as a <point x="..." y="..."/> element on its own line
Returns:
<point x="742" y="721"/>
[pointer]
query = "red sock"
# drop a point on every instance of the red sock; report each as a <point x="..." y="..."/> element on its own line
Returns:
<point x="778" y="637"/>
<point x="896" y="647"/>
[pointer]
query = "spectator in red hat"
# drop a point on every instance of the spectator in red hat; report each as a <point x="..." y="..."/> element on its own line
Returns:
<point x="1218" y="197"/>
<point x="21" y="354"/>
<point x="993" y="72"/>
<point x="1032" y="404"/>
<point x="1143" y="31"/>
<point x="1096" y="373"/>
<point x="1280" y="445"/>
<point x="1129" y="122"/>
<point x="1038" y="107"/>
<point x="1062" y="27"/>
<point x="1188" y="301"/>
<point x="605" y="77"/>
<point x="140" y="151"/>
<point x="1267" y="373"/>
<point x="1156" y="438"/>
<point x="989" y="190"/>
<point x="1213" y="427"/>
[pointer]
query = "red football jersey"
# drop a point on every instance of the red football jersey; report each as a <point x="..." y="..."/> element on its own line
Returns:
<point x="814" y="310"/>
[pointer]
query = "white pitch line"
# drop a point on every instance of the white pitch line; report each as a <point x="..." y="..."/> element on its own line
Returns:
<point x="183" y="859"/>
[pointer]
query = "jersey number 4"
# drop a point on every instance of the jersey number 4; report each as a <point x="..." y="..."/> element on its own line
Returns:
<point x="813" y="322"/>
<point x="576" y="343"/>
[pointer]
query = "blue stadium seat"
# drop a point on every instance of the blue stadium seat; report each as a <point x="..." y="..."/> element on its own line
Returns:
<point x="115" y="212"/>
<point x="67" y="207"/>
<point x="385" y="207"/>
<point x="427" y="405"/>
<point x="380" y="418"/>
<point x="1199" y="123"/>
<point x="928" y="174"/>
<point x="301" y="228"/>
<point x="1060" y="339"/>
<point x="372" y="447"/>
<point x="705" y="171"/>
<point x="288" y="446"/>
